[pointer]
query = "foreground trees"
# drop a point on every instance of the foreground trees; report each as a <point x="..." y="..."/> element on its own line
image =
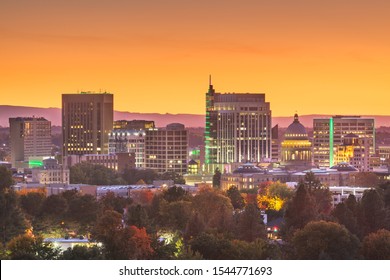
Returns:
<point x="30" y="247"/>
<point x="121" y="242"/>
<point x="311" y="201"/>
<point x="324" y="240"/>
<point x="376" y="246"/>
<point x="12" y="218"/>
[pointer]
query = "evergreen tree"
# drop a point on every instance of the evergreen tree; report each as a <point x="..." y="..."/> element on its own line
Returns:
<point x="372" y="213"/>
<point x="346" y="217"/>
<point x="175" y="194"/>
<point x="250" y="224"/>
<point x="300" y="210"/>
<point x="12" y="219"/>
<point x="217" y="178"/>
<point x="236" y="198"/>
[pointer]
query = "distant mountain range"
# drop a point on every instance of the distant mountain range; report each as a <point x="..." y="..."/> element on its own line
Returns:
<point x="189" y="120"/>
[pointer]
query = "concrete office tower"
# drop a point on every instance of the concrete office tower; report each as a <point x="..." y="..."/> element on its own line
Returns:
<point x="238" y="128"/>
<point x="87" y="118"/>
<point x="30" y="137"/>
<point x="328" y="133"/>
<point x="166" y="149"/>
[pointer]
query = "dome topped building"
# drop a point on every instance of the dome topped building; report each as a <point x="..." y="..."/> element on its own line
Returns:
<point x="296" y="147"/>
<point x="296" y="131"/>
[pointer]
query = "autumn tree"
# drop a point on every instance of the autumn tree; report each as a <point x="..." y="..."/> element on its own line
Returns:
<point x="141" y="242"/>
<point x="376" y="245"/>
<point x="273" y="196"/>
<point x="108" y="230"/>
<point x="325" y="240"/>
<point x="119" y="241"/>
<point x="216" y="209"/>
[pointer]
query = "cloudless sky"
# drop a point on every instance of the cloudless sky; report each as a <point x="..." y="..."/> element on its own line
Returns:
<point x="308" y="56"/>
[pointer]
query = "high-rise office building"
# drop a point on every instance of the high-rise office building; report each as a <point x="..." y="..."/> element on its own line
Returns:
<point x="87" y="118"/>
<point x="329" y="133"/>
<point x="238" y="128"/>
<point x="30" y="138"/>
<point x="166" y="149"/>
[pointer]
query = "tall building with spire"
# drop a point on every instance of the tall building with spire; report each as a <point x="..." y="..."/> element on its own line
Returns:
<point x="238" y="128"/>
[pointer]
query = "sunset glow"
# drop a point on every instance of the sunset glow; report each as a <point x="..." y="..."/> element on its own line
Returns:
<point x="330" y="57"/>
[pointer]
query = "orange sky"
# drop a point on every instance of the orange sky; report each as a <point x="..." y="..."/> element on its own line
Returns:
<point x="308" y="56"/>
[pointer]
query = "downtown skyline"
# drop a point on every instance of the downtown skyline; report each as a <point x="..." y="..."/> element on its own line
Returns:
<point x="308" y="57"/>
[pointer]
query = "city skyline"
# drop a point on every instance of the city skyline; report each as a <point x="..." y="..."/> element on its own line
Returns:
<point x="307" y="57"/>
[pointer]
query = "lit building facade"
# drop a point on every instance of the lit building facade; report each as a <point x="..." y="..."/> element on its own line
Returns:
<point x="129" y="141"/>
<point x="238" y="128"/>
<point x="29" y="138"/>
<point x="50" y="173"/>
<point x="166" y="149"/>
<point x="275" y="145"/>
<point x="117" y="162"/>
<point x="250" y="176"/>
<point x="355" y="150"/>
<point x="329" y="133"/>
<point x="296" y="147"/>
<point x="383" y="152"/>
<point x="87" y="118"/>
<point x="134" y="125"/>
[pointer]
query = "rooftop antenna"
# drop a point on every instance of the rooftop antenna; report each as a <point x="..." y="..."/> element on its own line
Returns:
<point x="210" y="85"/>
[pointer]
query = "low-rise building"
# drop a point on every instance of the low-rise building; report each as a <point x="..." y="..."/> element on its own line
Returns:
<point x="117" y="162"/>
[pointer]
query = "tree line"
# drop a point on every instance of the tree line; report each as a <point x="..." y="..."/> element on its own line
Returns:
<point x="211" y="224"/>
